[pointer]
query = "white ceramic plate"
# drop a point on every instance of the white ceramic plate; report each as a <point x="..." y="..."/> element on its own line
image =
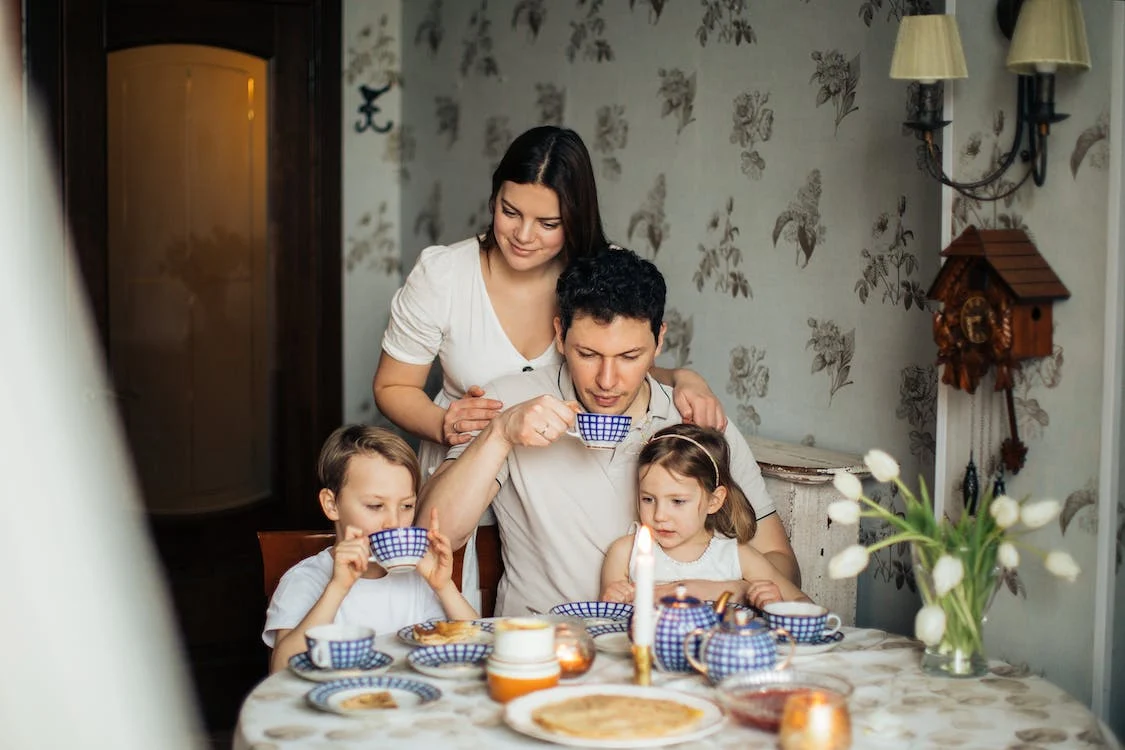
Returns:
<point x="407" y="694"/>
<point x="302" y="666"/>
<point x="406" y="635"/>
<point x="816" y="647"/>
<point x="517" y="714"/>
<point x="452" y="661"/>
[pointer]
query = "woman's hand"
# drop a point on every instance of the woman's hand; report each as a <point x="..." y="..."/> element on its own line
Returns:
<point x="695" y="400"/>
<point x="436" y="566"/>
<point x="467" y="415"/>
<point x="351" y="556"/>
<point x="619" y="591"/>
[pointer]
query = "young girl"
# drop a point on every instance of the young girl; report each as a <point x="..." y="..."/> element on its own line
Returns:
<point x="701" y="522"/>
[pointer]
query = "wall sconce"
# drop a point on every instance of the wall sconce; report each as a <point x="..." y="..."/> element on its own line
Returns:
<point x="1047" y="36"/>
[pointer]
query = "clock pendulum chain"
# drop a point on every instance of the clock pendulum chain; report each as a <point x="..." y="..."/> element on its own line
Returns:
<point x="970" y="487"/>
<point x="998" y="485"/>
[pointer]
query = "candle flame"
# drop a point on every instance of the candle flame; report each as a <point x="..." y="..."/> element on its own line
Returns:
<point x="644" y="541"/>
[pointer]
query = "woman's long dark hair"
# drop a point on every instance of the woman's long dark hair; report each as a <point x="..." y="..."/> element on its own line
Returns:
<point x="736" y="517"/>
<point x="555" y="158"/>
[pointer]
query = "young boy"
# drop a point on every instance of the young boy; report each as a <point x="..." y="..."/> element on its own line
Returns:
<point x="369" y="479"/>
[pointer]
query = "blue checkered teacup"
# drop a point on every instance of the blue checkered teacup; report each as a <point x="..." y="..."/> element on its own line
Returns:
<point x="398" y="550"/>
<point x="805" y="621"/>
<point x="600" y="430"/>
<point x="339" y="646"/>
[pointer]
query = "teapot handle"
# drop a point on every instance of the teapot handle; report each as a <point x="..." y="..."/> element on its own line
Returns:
<point x="720" y="605"/>
<point x="689" y="643"/>
<point x="792" y="648"/>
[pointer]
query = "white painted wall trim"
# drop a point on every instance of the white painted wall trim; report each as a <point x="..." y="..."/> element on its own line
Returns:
<point x="1113" y="380"/>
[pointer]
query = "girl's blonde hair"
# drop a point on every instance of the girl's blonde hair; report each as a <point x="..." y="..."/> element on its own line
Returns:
<point x="703" y="454"/>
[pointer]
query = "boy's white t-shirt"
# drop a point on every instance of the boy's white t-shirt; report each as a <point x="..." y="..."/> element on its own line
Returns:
<point x="386" y="604"/>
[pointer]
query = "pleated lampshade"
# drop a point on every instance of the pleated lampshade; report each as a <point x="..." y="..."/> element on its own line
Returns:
<point x="928" y="49"/>
<point x="1050" y="35"/>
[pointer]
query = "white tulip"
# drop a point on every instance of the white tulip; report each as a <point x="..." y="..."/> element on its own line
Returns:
<point x="1005" y="510"/>
<point x="1062" y="565"/>
<point x="1039" y="513"/>
<point x="929" y="624"/>
<point x="848" y="562"/>
<point x="948" y="572"/>
<point x="847" y="484"/>
<point x="882" y="466"/>
<point x="844" y="512"/>
<point x="1008" y="555"/>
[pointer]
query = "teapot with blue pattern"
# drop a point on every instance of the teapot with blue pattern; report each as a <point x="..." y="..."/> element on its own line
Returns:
<point x="738" y="644"/>
<point x="676" y="617"/>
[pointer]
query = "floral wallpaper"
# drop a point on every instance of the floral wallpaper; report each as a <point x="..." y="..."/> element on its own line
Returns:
<point x="755" y="152"/>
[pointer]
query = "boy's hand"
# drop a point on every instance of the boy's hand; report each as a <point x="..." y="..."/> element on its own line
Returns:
<point x="762" y="591"/>
<point x="436" y="566"/>
<point x="352" y="556"/>
<point x="619" y="591"/>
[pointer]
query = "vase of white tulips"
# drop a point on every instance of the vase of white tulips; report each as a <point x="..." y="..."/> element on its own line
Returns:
<point x="957" y="565"/>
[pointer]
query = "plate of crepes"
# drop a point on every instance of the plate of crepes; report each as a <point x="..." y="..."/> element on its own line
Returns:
<point x="613" y="716"/>
<point x="375" y="664"/>
<point x="363" y="696"/>
<point x="444" y="632"/>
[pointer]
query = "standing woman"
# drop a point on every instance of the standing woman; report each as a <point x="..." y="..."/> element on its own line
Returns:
<point x="484" y="307"/>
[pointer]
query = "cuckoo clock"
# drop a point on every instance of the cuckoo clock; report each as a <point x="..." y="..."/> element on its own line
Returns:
<point x="996" y="292"/>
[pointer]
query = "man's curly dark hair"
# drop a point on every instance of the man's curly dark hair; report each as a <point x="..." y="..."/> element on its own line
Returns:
<point x="612" y="283"/>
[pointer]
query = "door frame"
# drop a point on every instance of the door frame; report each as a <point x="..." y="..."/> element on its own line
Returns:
<point x="66" y="46"/>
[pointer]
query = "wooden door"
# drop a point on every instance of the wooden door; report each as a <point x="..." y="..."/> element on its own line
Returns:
<point x="160" y="277"/>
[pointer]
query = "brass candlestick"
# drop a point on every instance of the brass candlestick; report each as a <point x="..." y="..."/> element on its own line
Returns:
<point x="642" y="665"/>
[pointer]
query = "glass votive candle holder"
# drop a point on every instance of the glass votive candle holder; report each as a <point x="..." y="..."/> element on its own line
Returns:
<point x="574" y="648"/>
<point x="815" y="720"/>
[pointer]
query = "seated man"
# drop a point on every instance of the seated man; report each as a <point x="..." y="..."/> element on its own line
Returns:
<point x="559" y="504"/>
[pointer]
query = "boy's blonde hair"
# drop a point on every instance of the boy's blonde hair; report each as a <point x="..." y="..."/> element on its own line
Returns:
<point x="703" y="454"/>
<point x="362" y="440"/>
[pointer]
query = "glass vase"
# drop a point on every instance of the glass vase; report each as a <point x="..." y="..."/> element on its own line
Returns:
<point x="960" y="653"/>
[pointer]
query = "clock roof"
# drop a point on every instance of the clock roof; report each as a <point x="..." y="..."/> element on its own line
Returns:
<point x="1012" y="258"/>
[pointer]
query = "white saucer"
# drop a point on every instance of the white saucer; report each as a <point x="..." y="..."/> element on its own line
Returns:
<point x="818" y="646"/>
<point x="302" y="666"/>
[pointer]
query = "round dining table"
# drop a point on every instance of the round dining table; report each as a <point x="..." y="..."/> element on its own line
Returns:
<point x="894" y="705"/>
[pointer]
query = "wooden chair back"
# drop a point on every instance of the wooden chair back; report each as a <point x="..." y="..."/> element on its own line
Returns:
<point x="281" y="550"/>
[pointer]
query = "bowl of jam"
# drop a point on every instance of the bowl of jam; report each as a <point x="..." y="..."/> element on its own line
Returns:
<point x="757" y="699"/>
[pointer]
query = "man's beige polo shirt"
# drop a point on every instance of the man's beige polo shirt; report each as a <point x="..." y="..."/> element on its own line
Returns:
<point x="559" y="507"/>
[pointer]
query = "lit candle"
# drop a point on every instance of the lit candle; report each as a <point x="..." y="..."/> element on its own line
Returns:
<point x="815" y="721"/>
<point x="643" y="584"/>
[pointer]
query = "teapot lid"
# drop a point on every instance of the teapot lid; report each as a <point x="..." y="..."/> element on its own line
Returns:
<point x="680" y="600"/>
<point x="739" y="621"/>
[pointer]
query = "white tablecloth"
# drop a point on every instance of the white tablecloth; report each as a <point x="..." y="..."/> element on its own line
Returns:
<point x="894" y="706"/>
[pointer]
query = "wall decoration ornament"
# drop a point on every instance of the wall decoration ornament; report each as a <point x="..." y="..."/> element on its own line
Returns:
<point x="720" y="262"/>
<point x="838" y="79"/>
<point x="678" y="93"/>
<point x="588" y="35"/>
<point x="532" y="13"/>
<point x="834" y="351"/>
<point x="890" y="269"/>
<point x="896" y="9"/>
<point x="800" y="222"/>
<point x="678" y="336"/>
<point x="368" y="110"/>
<point x="753" y="123"/>
<point x="611" y="133"/>
<point x="550" y="100"/>
<point x="448" y="118"/>
<point x="430" y="31"/>
<point x="372" y="244"/>
<point x="428" y="221"/>
<point x="372" y="58"/>
<point x="749" y="379"/>
<point x="917" y="404"/>
<point x="477" y="54"/>
<point x="727" y="20"/>
<point x="1094" y="141"/>
<point x="655" y="8"/>
<point x="648" y="222"/>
